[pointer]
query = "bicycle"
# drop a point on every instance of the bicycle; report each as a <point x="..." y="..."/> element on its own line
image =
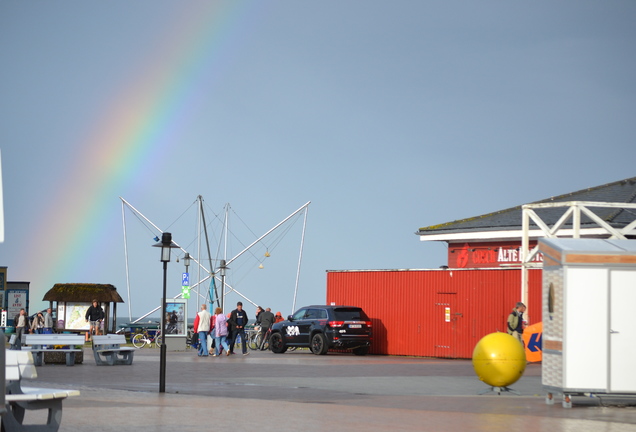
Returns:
<point x="252" y="336"/>
<point x="141" y="339"/>
<point x="262" y="342"/>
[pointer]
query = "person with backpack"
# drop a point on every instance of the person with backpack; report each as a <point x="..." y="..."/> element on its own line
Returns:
<point x="515" y="322"/>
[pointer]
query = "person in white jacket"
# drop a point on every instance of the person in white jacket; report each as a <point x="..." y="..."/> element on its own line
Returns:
<point x="202" y="326"/>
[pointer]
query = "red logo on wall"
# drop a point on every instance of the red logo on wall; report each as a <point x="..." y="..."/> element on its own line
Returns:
<point x="462" y="257"/>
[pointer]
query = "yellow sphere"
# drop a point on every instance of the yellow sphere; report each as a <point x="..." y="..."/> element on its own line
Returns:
<point x="499" y="359"/>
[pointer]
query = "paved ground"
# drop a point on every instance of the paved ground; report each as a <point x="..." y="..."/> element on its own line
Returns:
<point x="302" y="392"/>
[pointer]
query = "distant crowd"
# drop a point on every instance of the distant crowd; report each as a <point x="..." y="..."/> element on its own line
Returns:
<point x="226" y="329"/>
<point x="42" y="323"/>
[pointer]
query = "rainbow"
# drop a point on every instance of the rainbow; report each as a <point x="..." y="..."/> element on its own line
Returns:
<point x="134" y="134"/>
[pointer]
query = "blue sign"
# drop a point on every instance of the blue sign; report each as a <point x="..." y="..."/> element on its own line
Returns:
<point x="535" y="342"/>
<point x="185" y="279"/>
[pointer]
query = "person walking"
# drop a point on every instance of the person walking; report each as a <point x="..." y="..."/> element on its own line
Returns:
<point x="257" y="320"/>
<point x="20" y="322"/>
<point x="238" y="321"/>
<point x="515" y="321"/>
<point x="267" y="320"/>
<point x="220" y="333"/>
<point x="37" y="325"/>
<point x="230" y="333"/>
<point x="94" y="316"/>
<point x="48" y="322"/>
<point x="203" y="323"/>
<point x="259" y="311"/>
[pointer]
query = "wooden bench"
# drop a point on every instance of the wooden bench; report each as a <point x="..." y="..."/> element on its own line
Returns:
<point x="108" y="350"/>
<point x="38" y="344"/>
<point x="18" y="399"/>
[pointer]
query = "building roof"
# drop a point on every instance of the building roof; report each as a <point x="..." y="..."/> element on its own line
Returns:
<point x="83" y="293"/>
<point x="509" y="220"/>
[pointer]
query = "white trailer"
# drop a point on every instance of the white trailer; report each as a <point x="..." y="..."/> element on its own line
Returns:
<point x="589" y="293"/>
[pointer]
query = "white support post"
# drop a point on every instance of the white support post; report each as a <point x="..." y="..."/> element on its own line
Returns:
<point x="525" y="244"/>
<point x="300" y="257"/>
<point x="576" y="222"/>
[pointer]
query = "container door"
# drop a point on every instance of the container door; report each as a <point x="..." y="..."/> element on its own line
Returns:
<point x="585" y="332"/>
<point x="444" y="325"/>
<point x="622" y="341"/>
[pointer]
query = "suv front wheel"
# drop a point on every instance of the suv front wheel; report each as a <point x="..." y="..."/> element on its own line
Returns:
<point x="319" y="344"/>
<point x="276" y="343"/>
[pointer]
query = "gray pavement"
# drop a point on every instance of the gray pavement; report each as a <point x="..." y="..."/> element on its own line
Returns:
<point x="303" y="392"/>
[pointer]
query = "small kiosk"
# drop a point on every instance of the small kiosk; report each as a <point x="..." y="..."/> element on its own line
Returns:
<point x="70" y="302"/>
<point x="589" y="292"/>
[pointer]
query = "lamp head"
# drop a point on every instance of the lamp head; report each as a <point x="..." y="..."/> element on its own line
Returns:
<point x="165" y="245"/>
<point x="223" y="268"/>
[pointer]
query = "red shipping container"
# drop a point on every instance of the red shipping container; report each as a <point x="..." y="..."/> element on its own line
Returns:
<point x="434" y="313"/>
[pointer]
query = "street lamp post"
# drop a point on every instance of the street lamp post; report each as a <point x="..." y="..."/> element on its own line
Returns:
<point x="186" y="261"/>
<point x="185" y="286"/>
<point x="223" y="269"/>
<point x="165" y="245"/>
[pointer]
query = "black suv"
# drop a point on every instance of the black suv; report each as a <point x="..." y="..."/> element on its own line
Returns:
<point x="323" y="327"/>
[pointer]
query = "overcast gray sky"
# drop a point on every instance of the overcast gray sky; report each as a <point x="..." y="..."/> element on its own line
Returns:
<point x="387" y="116"/>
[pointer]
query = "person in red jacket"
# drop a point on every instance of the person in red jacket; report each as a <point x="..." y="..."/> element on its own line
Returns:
<point x="278" y="317"/>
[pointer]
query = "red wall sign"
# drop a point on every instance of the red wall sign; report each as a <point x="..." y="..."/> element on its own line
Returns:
<point x="486" y="255"/>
